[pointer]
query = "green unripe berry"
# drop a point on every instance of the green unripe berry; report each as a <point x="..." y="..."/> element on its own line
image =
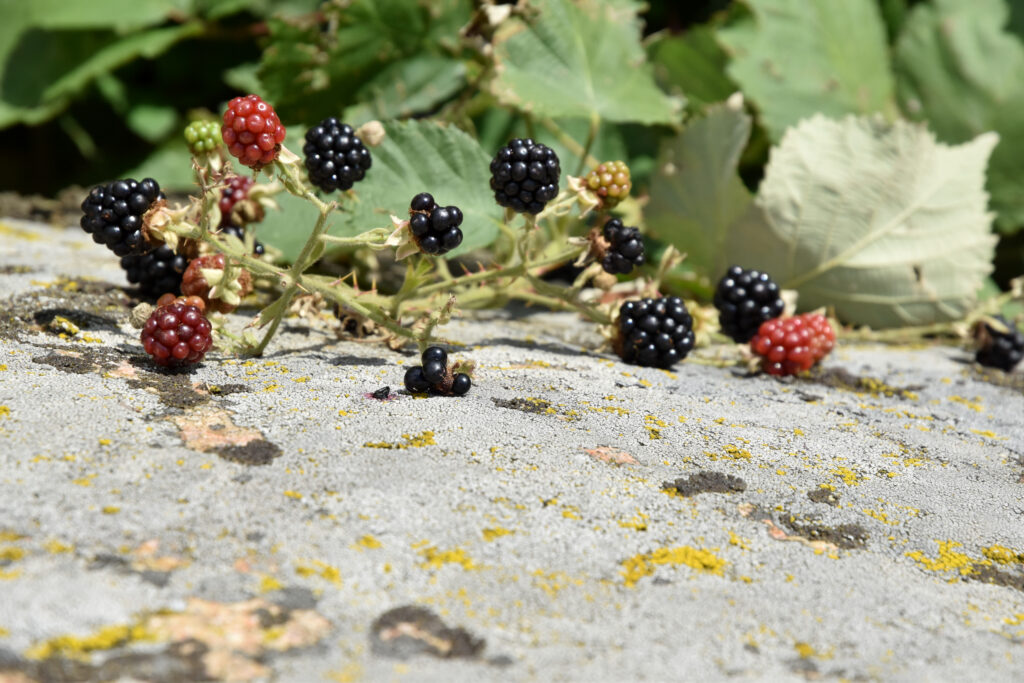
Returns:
<point x="203" y="137"/>
<point x="610" y="182"/>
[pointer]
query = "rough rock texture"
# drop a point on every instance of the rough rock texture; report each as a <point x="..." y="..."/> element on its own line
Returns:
<point x="572" y="518"/>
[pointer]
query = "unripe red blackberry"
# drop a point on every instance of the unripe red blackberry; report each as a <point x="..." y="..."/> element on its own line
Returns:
<point x="156" y="272"/>
<point x="654" y="332"/>
<point x="524" y="176"/>
<point x="791" y="345"/>
<point x="745" y="299"/>
<point x="335" y="157"/>
<point x="177" y="335"/>
<point x="252" y="131"/>
<point x="113" y="213"/>
<point x="626" y="248"/>
<point x="610" y="182"/>
<point x="235" y="191"/>
<point x="996" y="349"/>
<point x="435" y="229"/>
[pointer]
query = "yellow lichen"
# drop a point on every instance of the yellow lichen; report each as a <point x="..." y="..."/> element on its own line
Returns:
<point x="435" y="559"/>
<point x="639" y="566"/>
<point x="368" y="542"/>
<point x="79" y="647"/>
<point x="495" y="532"/>
<point x="1003" y="555"/>
<point x="411" y="441"/>
<point x="948" y="559"/>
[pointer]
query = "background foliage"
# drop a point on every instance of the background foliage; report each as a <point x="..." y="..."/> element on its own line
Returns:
<point x="855" y="121"/>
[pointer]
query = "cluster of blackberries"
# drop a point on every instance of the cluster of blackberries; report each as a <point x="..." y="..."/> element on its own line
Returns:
<point x="996" y="349"/>
<point x="156" y="272"/>
<point x="655" y="332"/>
<point x="524" y="176"/>
<point x="434" y="228"/>
<point x="335" y="157"/>
<point x="113" y="213"/>
<point x="745" y="299"/>
<point x="626" y="248"/>
<point x="435" y="376"/>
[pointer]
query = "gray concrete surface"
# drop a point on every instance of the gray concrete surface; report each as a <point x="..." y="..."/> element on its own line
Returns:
<point x="266" y="520"/>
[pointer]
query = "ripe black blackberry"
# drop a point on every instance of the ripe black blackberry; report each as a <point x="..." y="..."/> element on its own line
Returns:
<point x="654" y="332"/>
<point x="524" y="176"/>
<point x="113" y="213"/>
<point x="434" y="228"/>
<point x="745" y="299"/>
<point x="436" y="376"/>
<point x="238" y="231"/>
<point x="627" y="248"/>
<point x="335" y="158"/>
<point x="1002" y="350"/>
<point x="157" y="272"/>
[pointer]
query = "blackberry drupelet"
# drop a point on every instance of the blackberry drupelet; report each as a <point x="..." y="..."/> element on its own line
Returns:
<point x="158" y="271"/>
<point x="745" y="299"/>
<point x="1002" y="350"/>
<point x="434" y="228"/>
<point x="335" y="158"/>
<point x="113" y="213"/>
<point x="627" y="248"/>
<point x="176" y="335"/>
<point x="655" y="332"/>
<point x="524" y="176"/>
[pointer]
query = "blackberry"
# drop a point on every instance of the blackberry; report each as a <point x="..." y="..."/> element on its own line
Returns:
<point x="610" y="182"/>
<point x="435" y="375"/>
<point x="745" y="299"/>
<point x="335" y="158"/>
<point x="156" y="272"/>
<point x="627" y="248"/>
<point x="194" y="284"/>
<point x="113" y="213"/>
<point x="791" y="345"/>
<point x="434" y="228"/>
<point x="201" y="137"/>
<point x="238" y="231"/>
<point x="235" y="191"/>
<point x="177" y="334"/>
<point x="524" y="176"/>
<point x="655" y="332"/>
<point x="252" y="131"/>
<point x="1002" y="350"/>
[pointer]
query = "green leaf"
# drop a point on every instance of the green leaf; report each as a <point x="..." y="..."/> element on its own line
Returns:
<point x="875" y="219"/>
<point x="46" y="68"/>
<point x="693" y="63"/>
<point x="422" y="156"/>
<point x="578" y="60"/>
<point x="310" y="73"/>
<point x="795" y="58"/>
<point x="964" y="74"/>
<point x="696" y="194"/>
<point x="288" y="228"/>
<point x="408" y="87"/>
<point x="152" y="122"/>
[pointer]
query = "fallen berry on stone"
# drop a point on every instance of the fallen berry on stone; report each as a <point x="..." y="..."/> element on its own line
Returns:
<point x="436" y="376"/>
<point x="382" y="393"/>
<point x="524" y="176"/>
<point x="202" y="137"/>
<point x="177" y="335"/>
<point x="654" y="332"/>
<point x="435" y="229"/>
<point x="336" y="158"/>
<point x="252" y="131"/>
<point x="610" y="182"/>
<point x="998" y="349"/>
<point x="745" y="299"/>
<point x="791" y="345"/>
<point x="156" y="272"/>
<point x="626" y="250"/>
<point x="113" y="213"/>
